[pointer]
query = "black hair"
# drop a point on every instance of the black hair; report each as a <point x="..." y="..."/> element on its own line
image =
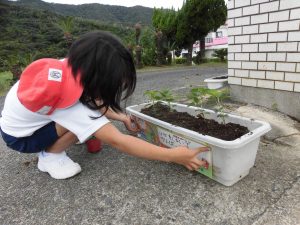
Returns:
<point x="106" y="68"/>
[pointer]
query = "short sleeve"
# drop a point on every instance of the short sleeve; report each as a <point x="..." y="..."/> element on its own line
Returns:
<point x="80" y="120"/>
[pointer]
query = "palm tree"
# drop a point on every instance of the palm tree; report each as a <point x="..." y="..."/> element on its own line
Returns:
<point x="138" y="48"/>
<point x="159" y="47"/>
<point x="67" y="26"/>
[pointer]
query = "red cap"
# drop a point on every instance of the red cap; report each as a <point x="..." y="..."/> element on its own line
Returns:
<point x="48" y="84"/>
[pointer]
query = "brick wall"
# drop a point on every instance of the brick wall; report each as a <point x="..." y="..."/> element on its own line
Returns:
<point x="264" y="44"/>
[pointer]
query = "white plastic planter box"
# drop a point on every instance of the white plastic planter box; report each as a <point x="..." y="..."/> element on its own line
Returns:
<point x="229" y="161"/>
<point x="215" y="82"/>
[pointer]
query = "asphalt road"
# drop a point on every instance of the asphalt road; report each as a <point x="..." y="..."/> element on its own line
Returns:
<point x="176" y="80"/>
<point x="115" y="188"/>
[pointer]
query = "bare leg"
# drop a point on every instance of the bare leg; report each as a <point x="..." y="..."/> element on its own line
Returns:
<point x="65" y="140"/>
<point x="59" y="165"/>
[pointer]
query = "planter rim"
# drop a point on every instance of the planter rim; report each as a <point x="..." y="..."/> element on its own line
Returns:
<point x="212" y="80"/>
<point x="237" y="143"/>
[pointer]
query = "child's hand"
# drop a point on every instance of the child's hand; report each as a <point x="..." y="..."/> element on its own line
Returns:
<point x="188" y="157"/>
<point x="131" y="124"/>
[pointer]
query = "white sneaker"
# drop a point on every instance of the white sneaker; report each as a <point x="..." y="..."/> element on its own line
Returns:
<point x="58" y="165"/>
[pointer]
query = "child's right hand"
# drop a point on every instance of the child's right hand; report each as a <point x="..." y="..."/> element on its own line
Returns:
<point x="188" y="157"/>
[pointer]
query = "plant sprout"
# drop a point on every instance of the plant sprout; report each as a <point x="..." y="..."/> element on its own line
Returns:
<point x="166" y="95"/>
<point x="219" y="97"/>
<point x="153" y="95"/>
<point x="163" y="95"/>
<point x="197" y="96"/>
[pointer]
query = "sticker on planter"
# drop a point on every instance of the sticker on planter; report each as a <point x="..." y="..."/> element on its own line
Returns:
<point x="148" y="131"/>
<point x="170" y="139"/>
<point x="165" y="138"/>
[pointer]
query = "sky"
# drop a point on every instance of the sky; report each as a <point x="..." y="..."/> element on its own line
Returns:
<point x="147" y="3"/>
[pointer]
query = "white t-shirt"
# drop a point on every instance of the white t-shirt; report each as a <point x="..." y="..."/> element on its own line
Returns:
<point x="18" y="121"/>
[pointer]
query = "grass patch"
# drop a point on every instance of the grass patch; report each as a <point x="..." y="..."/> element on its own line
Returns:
<point x="5" y="80"/>
<point x="213" y="64"/>
<point x="180" y="66"/>
<point x="161" y="68"/>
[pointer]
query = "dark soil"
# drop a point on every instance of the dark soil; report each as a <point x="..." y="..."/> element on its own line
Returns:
<point x="221" y="77"/>
<point x="227" y="132"/>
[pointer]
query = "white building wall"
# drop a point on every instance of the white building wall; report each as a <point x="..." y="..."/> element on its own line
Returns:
<point x="264" y="44"/>
<point x="209" y="51"/>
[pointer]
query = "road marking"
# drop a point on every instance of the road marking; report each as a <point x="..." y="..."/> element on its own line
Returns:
<point x="180" y="88"/>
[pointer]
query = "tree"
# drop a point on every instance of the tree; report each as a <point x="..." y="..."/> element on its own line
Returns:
<point x="138" y="48"/>
<point x="138" y="30"/>
<point x="147" y="40"/>
<point x="217" y="14"/>
<point x="185" y="37"/>
<point x="196" y="19"/>
<point x="159" y="47"/>
<point x="67" y="26"/>
<point x="164" y="21"/>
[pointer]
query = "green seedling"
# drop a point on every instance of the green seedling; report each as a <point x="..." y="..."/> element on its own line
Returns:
<point x="198" y="97"/>
<point x="219" y="96"/>
<point x="167" y="95"/>
<point x="153" y="95"/>
<point x="163" y="95"/>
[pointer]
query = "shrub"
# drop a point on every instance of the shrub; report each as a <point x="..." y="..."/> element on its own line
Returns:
<point x="215" y="60"/>
<point x="198" y="61"/>
<point x="220" y="53"/>
<point x="181" y="61"/>
<point x="149" y="54"/>
<point x="149" y="57"/>
<point x="5" y="81"/>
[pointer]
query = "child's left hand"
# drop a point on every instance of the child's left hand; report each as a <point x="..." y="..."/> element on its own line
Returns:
<point x="131" y="124"/>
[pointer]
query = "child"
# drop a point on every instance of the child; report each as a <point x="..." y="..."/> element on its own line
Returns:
<point x="58" y="102"/>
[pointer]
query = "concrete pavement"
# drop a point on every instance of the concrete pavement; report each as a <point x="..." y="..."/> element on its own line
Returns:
<point x="115" y="188"/>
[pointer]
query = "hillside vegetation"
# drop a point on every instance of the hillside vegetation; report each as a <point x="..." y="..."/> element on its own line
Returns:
<point x="28" y="34"/>
<point x="105" y="13"/>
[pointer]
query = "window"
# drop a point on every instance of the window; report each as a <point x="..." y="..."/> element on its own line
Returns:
<point x="219" y="34"/>
<point x="208" y="40"/>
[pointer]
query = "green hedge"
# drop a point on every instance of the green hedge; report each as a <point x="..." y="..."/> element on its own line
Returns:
<point x="180" y="61"/>
<point x="206" y="60"/>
